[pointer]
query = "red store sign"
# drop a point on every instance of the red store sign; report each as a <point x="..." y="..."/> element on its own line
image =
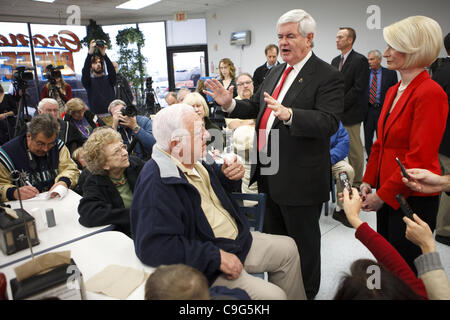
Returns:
<point x="66" y="43"/>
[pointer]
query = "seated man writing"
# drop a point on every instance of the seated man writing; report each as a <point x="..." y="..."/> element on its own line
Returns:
<point x="182" y="213"/>
<point x="44" y="158"/>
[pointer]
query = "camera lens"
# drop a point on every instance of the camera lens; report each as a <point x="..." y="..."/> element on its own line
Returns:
<point x="129" y="111"/>
<point x="100" y="43"/>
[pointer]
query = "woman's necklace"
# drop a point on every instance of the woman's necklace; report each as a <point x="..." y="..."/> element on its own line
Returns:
<point x="403" y="86"/>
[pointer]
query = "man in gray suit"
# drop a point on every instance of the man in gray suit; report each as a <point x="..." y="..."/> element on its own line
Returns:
<point x="381" y="79"/>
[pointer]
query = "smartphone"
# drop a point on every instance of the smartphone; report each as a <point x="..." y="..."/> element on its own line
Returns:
<point x="407" y="211"/>
<point x="344" y="181"/>
<point x="406" y="175"/>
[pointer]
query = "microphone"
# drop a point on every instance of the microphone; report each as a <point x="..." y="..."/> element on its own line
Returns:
<point x="19" y="178"/>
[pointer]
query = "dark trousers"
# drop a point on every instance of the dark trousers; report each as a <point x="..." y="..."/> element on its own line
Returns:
<point x="391" y="226"/>
<point x="302" y="224"/>
<point x="370" y="126"/>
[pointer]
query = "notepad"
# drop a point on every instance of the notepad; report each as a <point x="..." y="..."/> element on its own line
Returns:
<point x="60" y="191"/>
<point x="116" y="281"/>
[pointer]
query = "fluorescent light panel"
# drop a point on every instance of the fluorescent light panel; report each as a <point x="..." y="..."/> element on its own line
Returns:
<point x="48" y="1"/>
<point x="136" y="4"/>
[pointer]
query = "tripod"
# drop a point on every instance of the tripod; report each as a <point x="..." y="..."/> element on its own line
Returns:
<point x="22" y="111"/>
<point x="150" y="104"/>
<point x="55" y="93"/>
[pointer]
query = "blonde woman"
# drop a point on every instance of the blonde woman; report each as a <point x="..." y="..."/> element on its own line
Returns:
<point x="84" y="120"/>
<point x="410" y="128"/>
<point x="200" y="106"/>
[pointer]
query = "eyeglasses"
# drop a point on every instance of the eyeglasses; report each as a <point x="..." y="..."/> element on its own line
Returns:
<point x="41" y="145"/>
<point x="246" y="83"/>
<point x="118" y="152"/>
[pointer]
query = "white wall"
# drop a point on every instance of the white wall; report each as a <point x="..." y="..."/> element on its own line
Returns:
<point x="260" y="16"/>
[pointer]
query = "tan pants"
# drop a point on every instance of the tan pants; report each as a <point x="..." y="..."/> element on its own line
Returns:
<point x="356" y="153"/>
<point x="339" y="167"/>
<point x="443" y="216"/>
<point x="276" y="255"/>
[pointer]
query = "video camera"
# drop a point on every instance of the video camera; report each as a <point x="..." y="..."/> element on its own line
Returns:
<point x="129" y="111"/>
<point x="148" y="83"/>
<point x="53" y="73"/>
<point x="21" y="77"/>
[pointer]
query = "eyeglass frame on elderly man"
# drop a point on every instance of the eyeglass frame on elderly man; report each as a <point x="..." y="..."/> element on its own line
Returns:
<point x="245" y="83"/>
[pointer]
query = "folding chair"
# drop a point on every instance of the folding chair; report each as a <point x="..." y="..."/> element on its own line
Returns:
<point x="255" y="214"/>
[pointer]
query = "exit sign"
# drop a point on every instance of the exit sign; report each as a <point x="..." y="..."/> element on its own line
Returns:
<point x="180" y="16"/>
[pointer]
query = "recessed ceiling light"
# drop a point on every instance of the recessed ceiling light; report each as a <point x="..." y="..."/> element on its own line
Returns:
<point x="136" y="4"/>
<point x="48" y="1"/>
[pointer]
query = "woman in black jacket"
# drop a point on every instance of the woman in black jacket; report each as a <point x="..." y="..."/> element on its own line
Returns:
<point x="79" y="116"/>
<point x="108" y="189"/>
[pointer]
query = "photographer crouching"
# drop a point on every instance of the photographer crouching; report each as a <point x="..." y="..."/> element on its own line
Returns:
<point x="136" y="131"/>
<point x="56" y="87"/>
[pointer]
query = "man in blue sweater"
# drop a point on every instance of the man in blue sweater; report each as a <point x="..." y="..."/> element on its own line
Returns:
<point x="98" y="85"/>
<point x="135" y="130"/>
<point x="182" y="213"/>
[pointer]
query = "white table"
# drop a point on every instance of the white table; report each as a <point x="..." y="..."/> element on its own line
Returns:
<point x="93" y="254"/>
<point x="67" y="227"/>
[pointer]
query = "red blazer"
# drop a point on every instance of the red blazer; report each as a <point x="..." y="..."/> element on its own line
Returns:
<point x="412" y="132"/>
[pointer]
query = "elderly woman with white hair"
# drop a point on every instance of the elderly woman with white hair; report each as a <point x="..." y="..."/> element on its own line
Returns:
<point x="410" y="128"/>
<point x="200" y="106"/>
<point x="109" y="184"/>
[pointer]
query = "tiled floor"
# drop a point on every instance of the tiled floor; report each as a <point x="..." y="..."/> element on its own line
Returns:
<point x="340" y="248"/>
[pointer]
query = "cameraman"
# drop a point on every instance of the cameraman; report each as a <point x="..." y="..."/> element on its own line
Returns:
<point x="123" y="89"/>
<point x="98" y="85"/>
<point x="8" y="109"/>
<point x="135" y="130"/>
<point x="56" y="88"/>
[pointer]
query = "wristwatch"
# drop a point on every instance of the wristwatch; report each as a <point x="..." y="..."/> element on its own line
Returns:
<point x="136" y="129"/>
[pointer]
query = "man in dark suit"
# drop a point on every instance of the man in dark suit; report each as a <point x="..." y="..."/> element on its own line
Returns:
<point x="259" y="75"/>
<point x="381" y="79"/>
<point x="441" y="74"/>
<point x="297" y="121"/>
<point x="355" y="68"/>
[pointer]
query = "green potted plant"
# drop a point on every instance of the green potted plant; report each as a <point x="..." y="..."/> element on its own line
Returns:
<point x="131" y="62"/>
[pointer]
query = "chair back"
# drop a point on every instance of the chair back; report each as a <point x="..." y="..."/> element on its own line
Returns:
<point x="255" y="214"/>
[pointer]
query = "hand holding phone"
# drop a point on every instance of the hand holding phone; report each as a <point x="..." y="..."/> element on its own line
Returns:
<point x="405" y="174"/>
<point x="407" y="211"/>
<point x="345" y="183"/>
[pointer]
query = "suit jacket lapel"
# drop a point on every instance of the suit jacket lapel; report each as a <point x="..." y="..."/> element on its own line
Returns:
<point x="272" y="83"/>
<point x="347" y="61"/>
<point x="401" y="103"/>
<point x="299" y="84"/>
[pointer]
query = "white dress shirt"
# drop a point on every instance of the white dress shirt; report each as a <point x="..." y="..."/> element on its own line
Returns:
<point x="287" y="84"/>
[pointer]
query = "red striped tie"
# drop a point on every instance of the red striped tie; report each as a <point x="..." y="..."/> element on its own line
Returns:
<point x="373" y="89"/>
<point x="265" y="117"/>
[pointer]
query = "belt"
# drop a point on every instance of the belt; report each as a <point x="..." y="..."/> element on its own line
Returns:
<point x="375" y="105"/>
